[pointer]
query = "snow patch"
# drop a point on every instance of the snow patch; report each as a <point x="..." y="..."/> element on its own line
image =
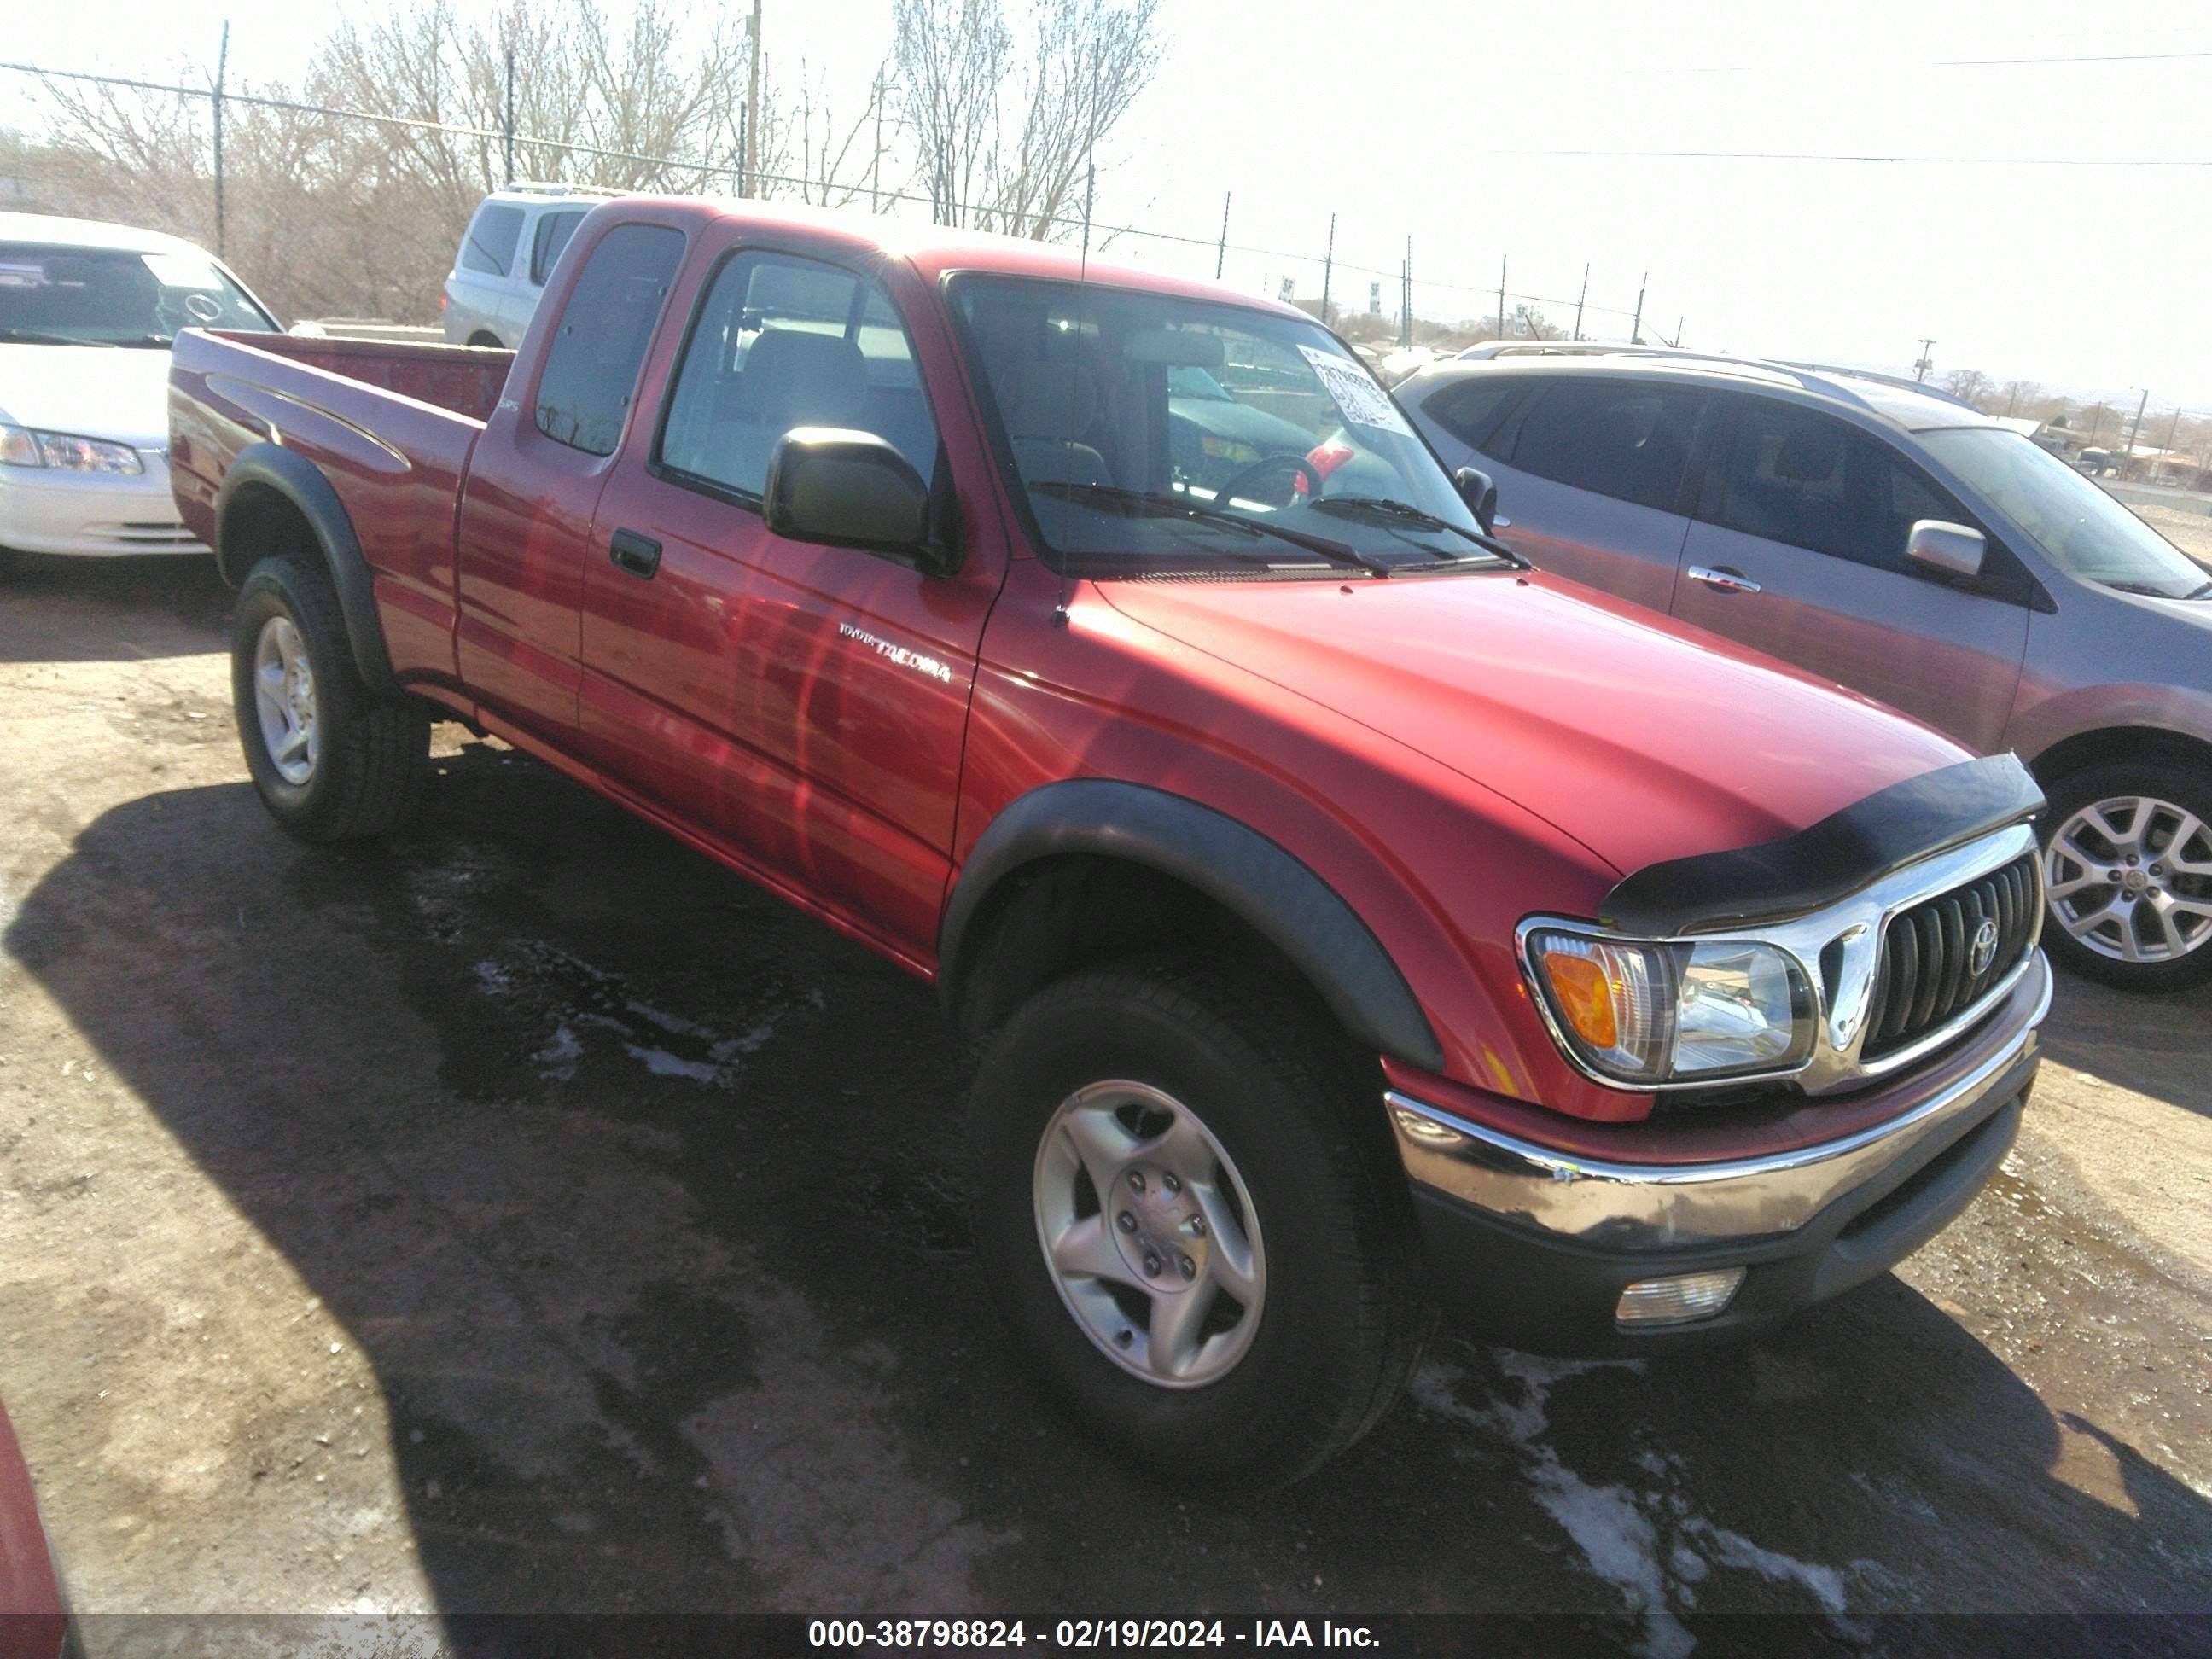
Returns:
<point x="1647" y="1543"/>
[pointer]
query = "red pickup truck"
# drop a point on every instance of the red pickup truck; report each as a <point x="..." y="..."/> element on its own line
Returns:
<point x="1345" y="917"/>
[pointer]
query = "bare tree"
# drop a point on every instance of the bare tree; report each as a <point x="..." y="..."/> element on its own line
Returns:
<point x="1969" y="386"/>
<point x="1005" y="143"/>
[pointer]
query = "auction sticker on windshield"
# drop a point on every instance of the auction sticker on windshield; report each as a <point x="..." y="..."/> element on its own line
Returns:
<point x="1354" y="392"/>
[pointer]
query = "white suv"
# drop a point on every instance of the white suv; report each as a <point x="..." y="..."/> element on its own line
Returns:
<point x="513" y="242"/>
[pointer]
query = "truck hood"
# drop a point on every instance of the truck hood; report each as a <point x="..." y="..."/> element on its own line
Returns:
<point x="117" y="393"/>
<point x="1641" y="739"/>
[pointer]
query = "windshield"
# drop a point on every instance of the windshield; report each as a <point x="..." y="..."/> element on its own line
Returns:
<point x="2086" y="531"/>
<point x="59" y="296"/>
<point x="1152" y="434"/>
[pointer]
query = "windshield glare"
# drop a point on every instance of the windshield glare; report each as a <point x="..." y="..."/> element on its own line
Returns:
<point x="1126" y="413"/>
<point x="2086" y="531"/>
<point x="59" y="296"/>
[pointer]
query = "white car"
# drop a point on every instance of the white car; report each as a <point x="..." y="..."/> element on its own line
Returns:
<point x="512" y="241"/>
<point x="86" y="314"/>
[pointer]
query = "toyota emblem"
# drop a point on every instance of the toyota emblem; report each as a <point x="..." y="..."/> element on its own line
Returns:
<point x="1984" y="951"/>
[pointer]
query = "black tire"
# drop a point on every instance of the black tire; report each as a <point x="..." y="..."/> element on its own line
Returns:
<point x="373" y="752"/>
<point x="485" y="338"/>
<point x="2179" y="785"/>
<point x="1344" y="1314"/>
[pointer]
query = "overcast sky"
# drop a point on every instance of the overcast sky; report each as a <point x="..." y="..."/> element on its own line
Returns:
<point x="1443" y="121"/>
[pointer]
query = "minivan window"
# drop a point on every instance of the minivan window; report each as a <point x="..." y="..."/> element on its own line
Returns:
<point x="1805" y="479"/>
<point x="489" y="244"/>
<point x="782" y="342"/>
<point x="1469" y="410"/>
<point x="591" y="367"/>
<point x="1627" y="439"/>
<point x="2086" y="531"/>
<point x="554" y="230"/>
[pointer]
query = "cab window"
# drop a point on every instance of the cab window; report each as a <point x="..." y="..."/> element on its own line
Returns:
<point x="782" y="342"/>
<point x="591" y="367"/>
<point x="488" y="246"/>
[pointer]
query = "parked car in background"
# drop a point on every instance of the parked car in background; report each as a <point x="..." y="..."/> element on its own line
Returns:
<point x="1907" y="546"/>
<point x="512" y="241"/>
<point x="88" y="311"/>
<point x="1340" y="911"/>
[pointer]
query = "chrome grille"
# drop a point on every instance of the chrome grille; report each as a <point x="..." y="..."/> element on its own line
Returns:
<point x="1929" y="976"/>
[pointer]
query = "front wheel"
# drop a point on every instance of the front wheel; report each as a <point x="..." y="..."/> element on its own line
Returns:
<point x="1184" y="1226"/>
<point x="331" y="760"/>
<point x="2128" y="869"/>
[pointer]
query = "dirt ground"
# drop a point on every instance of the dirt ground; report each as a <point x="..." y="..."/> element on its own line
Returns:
<point x="2189" y="532"/>
<point x="530" y="1214"/>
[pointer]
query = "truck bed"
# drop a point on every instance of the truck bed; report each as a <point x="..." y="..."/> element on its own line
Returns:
<point x="390" y="427"/>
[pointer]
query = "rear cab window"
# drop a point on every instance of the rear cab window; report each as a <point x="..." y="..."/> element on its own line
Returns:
<point x="489" y="244"/>
<point x="591" y="367"/>
<point x="1630" y="439"/>
<point x="779" y="341"/>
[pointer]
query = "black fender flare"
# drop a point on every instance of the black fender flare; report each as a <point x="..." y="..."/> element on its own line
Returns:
<point x="296" y="478"/>
<point x="1237" y="867"/>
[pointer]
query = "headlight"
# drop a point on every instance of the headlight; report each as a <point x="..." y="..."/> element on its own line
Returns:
<point x="20" y="446"/>
<point x="1672" y="1012"/>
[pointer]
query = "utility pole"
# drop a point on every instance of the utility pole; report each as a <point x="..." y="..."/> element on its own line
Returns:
<point x="1221" y="247"/>
<point x="876" y="173"/>
<point x="1579" y="300"/>
<point x="2142" y="404"/>
<point x="1636" y="328"/>
<point x="1926" y="363"/>
<point x="222" y="73"/>
<point x="2172" y="428"/>
<point x="1406" y="296"/>
<point x="747" y="185"/>
<point x="507" y="131"/>
<point x="1327" y="267"/>
<point x="1501" y="296"/>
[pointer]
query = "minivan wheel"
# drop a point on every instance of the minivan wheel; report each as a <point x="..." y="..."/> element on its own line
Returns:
<point x="2127" y="867"/>
<point x="331" y="759"/>
<point x="1179" y="1218"/>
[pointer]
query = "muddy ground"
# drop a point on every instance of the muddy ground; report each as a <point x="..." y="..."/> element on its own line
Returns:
<point x="530" y="1214"/>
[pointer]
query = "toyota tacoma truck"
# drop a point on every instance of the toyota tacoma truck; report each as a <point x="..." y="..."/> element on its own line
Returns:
<point x="1344" y="919"/>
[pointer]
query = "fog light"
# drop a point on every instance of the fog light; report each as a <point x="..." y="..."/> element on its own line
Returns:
<point x="1679" y="1299"/>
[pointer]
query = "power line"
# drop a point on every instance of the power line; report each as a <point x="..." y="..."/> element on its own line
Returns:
<point x="1895" y="160"/>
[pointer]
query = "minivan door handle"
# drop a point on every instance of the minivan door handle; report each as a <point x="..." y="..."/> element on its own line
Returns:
<point x="1722" y="581"/>
<point x="639" y="554"/>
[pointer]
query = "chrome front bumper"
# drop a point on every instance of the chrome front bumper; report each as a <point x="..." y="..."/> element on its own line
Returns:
<point x="1654" y="1207"/>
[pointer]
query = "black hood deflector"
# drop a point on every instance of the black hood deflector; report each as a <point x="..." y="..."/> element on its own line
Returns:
<point x="1828" y="860"/>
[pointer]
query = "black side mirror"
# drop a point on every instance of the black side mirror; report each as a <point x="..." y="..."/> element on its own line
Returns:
<point x="848" y="489"/>
<point x="1480" y="496"/>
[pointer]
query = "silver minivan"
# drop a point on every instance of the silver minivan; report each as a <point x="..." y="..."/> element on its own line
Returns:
<point x="511" y="245"/>
<point x="1902" y="545"/>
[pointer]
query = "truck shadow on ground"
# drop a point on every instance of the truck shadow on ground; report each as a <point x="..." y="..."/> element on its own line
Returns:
<point x="2152" y="1045"/>
<point x="642" y="1194"/>
<point x="83" y="610"/>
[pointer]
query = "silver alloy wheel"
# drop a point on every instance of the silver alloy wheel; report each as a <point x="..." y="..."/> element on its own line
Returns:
<point x="1150" y="1235"/>
<point x="2131" y="877"/>
<point x="285" y="701"/>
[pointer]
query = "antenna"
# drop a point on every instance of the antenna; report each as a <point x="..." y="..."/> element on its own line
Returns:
<point x="1082" y="277"/>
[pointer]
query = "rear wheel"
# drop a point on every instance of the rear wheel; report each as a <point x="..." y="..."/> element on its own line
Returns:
<point x="331" y="760"/>
<point x="2128" y="869"/>
<point x="1182" y="1222"/>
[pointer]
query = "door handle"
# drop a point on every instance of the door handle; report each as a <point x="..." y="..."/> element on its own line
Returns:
<point x="639" y="554"/>
<point x="1722" y="581"/>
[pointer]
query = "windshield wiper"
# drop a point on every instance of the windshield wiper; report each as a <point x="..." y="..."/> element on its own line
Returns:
<point x="1397" y="509"/>
<point x="1182" y="507"/>
<point x="2151" y="591"/>
<point x="33" y="336"/>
